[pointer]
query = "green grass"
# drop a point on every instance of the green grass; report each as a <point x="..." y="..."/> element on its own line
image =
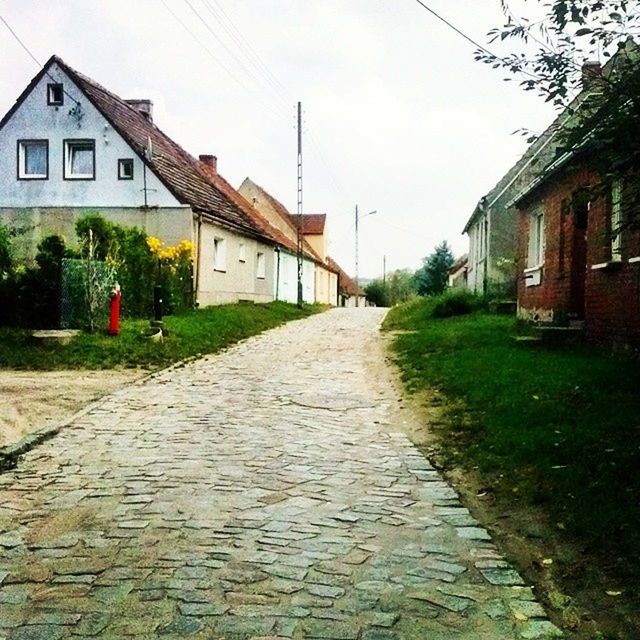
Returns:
<point x="197" y="332"/>
<point x="558" y="427"/>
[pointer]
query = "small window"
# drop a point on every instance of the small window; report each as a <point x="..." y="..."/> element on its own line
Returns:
<point x="242" y="252"/>
<point x="55" y="94"/>
<point x="33" y="159"/>
<point x="79" y="159"/>
<point x="125" y="169"/>
<point x="616" y="220"/>
<point x="219" y="255"/>
<point x="536" y="240"/>
<point x="261" y="267"/>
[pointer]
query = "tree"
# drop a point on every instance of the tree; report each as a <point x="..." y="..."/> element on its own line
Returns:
<point x="548" y="57"/>
<point x="432" y="277"/>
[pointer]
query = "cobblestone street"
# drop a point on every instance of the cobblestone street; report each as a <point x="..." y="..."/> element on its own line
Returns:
<point x="261" y="492"/>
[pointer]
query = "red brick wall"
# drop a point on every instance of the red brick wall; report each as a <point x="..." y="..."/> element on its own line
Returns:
<point x="612" y="295"/>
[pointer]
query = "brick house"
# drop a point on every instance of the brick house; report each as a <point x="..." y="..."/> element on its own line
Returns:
<point x="576" y="264"/>
<point x="493" y="226"/>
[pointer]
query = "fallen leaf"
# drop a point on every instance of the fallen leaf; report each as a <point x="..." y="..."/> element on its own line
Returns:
<point x="520" y="616"/>
<point x="613" y="593"/>
<point x="547" y="561"/>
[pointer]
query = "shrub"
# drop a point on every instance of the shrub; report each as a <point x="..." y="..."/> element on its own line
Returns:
<point x="456" y="303"/>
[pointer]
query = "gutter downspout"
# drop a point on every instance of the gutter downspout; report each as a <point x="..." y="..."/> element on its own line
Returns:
<point x="198" y="254"/>
<point x="277" y="250"/>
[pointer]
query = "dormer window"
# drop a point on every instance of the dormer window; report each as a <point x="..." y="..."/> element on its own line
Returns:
<point x="125" y="169"/>
<point x="55" y="94"/>
<point x="79" y="159"/>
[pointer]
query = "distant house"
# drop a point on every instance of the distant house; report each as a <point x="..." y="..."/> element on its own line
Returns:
<point x="578" y="263"/>
<point x="350" y="295"/>
<point x="458" y="273"/>
<point x="493" y="225"/>
<point x="320" y="280"/>
<point x="69" y="146"/>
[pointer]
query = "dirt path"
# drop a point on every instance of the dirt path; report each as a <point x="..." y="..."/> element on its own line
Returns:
<point x="30" y="400"/>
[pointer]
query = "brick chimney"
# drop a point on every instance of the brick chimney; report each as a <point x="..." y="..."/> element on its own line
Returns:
<point x="210" y="162"/>
<point x="143" y="106"/>
<point x="591" y="73"/>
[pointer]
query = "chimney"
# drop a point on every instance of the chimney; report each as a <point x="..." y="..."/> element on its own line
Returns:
<point x="591" y="72"/>
<point x="143" y="106"/>
<point x="210" y="162"/>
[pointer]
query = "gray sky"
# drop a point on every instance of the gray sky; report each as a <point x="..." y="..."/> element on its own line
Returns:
<point x="398" y="117"/>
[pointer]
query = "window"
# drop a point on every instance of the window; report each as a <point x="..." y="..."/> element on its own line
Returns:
<point x="125" y="169"/>
<point x="33" y="159"/>
<point x="219" y="254"/>
<point x="79" y="159"/>
<point x="261" y="267"/>
<point x="242" y="252"/>
<point x="616" y="220"/>
<point x="536" y="240"/>
<point x="55" y="94"/>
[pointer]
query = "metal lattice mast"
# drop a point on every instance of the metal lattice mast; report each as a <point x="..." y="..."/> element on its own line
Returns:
<point x="299" y="225"/>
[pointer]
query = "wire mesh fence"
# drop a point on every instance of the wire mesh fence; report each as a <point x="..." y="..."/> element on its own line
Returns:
<point x="86" y="287"/>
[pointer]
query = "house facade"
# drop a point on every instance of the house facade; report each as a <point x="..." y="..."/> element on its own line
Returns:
<point x="458" y="273"/>
<point x="579" y="265"/>
<point x="70" y="147"/>
<point x="319" y="279"/>
<point x="493" y="226"/>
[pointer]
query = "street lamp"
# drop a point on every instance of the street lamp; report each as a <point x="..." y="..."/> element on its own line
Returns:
<point x="357" y="279"/>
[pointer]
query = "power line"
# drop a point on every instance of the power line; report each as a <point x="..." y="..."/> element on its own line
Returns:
<point x="475" y="43"/>
<point x="24" y="46"/>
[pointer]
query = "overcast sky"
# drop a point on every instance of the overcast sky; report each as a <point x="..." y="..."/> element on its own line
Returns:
<point x="398" y="117"/>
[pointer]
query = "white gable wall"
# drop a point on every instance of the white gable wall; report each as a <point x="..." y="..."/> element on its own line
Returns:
<point x="34" y="119"/>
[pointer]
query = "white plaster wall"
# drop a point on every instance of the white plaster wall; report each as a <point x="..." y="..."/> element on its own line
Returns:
<point x="326" y="286"/>
<point x="288" y="280"/>
<point x="239" y="280"/>
<point x="35" y="119"/>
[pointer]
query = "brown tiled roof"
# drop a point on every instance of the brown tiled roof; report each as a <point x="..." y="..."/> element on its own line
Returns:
<point x="346" y="285"/>
<point x="180" y="172"/>
<point x="312" y="223"/>
<point x="459" y="263"/>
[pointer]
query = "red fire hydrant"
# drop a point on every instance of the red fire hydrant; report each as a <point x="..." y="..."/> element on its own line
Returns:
<point x="114" y="315"/>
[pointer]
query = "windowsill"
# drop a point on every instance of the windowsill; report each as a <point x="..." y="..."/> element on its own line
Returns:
<point x="87" y="177"/>
<point x="220" y="270"/>
<point x="33" y="177"/>
<point x="261" y="277"/>
<point x="636" y="259"/>
<point x="606" y="266"/>
<point x="243" y="261"/>
<point x="533" y="276"/>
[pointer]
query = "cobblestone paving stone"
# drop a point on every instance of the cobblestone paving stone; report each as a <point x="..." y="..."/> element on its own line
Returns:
<point x="258" y="493"/>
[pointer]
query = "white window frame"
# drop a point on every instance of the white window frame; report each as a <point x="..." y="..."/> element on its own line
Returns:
<point x="242" y="252"/>
<point x="68" y="153"/>
<point x="261" y="265"/>
<point x="52" y="99"/>
<point x="616" y="220"/>
<point x="122" y="164"/>
<point x="22" y="160"/>
<point x="537" y="240"/>
<point x="219" y="254"/>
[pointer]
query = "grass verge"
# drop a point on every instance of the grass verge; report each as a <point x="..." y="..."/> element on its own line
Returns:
<point x="555" y="428"/>
<point x="198" y="332"/>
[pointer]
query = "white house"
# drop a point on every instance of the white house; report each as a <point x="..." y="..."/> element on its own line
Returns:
<point x="68" y="147"/>
<point x="319" y="279"/>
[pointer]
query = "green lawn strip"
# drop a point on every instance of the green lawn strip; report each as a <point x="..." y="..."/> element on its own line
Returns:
<point x="198" y="332"/>
<point x="561" y="425"/>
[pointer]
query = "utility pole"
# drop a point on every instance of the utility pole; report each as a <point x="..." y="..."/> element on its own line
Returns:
<point x="357" y="282"/>
<point x="384" y="279"/>
<point x="356" y="269"/>
<point x="299" y="225"/>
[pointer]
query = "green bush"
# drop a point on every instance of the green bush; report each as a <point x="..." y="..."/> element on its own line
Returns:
<point x="456" y="303"/>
